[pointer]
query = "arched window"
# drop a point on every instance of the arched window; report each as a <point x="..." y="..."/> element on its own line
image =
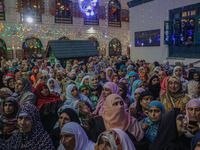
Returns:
<point x="114" y="8"/>
<point x="2" y="48"/>
<point x="64" y="38"/>
<point x="115" y="47"/>
<point x="96" y="43"/>
<point x="2" y="10"/>
<point x="63" y="12"/>
<point x="30" y="10"/>
<point x="32" y="46"/>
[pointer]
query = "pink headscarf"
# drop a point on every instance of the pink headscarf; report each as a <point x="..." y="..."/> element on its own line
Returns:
<point x="138" y="90"/>
<point x="164" y="74"/>
<point x="107" y="77"/>
<point x="192" y="103"/>
<point x="164" y="85"/>
<point x="101" y="103"/>
<point x="118" y="117"/>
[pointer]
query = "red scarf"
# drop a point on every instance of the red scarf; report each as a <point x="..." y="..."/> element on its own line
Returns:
<point x="41" y="100"/>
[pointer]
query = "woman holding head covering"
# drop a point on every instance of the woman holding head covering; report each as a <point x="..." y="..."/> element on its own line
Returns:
<point x="174" y="96"/>
<point x="23" y="92"/>
<point x="108" y="88"/>
<point x="79" y="79"/>
<point x="131" y="78"/>
<point x="109" y="73"/>
<point x="30" y="134"/>
<point x="154" y="86"/>
<point x="193" y="89"/>
<point x="171" y="132"/>
<point x="8" y="121"/>
<point x="74" y="137"/>
<point x="151" y="123"/>
<point x="66" y="115"/>
<point x="193" y="114"/>
<point x="114" y="139"/>
<point x="136" y="84"/>
<point x="195" y="144"/>
<point x="53" y="86"/>
<point x="74" y="97"/>
<point x="115" y="116"/>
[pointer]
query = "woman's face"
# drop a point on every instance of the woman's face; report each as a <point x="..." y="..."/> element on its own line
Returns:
<point x="98" y="67"/>
<point x="85" y="91"/>
<point x="118" y="102"/>
<point x="109" y="72"/>
<point x="86" y="82"/>
<point x="174" y="86"/>
<point x="125" y="82"/>
<point x="51" y="84"/>
<point x="121" y="91"/>
<point x="197" y="89"/>
<point x="59" y="76"/>
<point x="63" y="119"/>
<point x="68" y="140"/>
<point x="19" y="85"/>
<point x="95" y="81"/>
<point x="11" y="83"/>
<point x="83" y="67"/>
<point x="103" y="144"/>
<point x="120" y="72"/>
<point x="155" y="81"/>
<point x="141" y="85"/>
<point x="196" y="77"/>
<point x="36" y="70"/>
<point x="57" y="65"/>
<point x="106" y="92"/>
<point x="194" y="113"/>
<point x="102" y="75"/>
<point x="45" y="91"/>
<point x="24" y="123"/>
<point x="91" y="68"/>
<point x="132" y="77"/>
<point x="116" y="80"/>
<point x="43" y="79"/>
<point x="69" y="68"/>
<point x="181" y="124"/>
<point x="74" y="92"/>
<point x="137" y="95"/>
<point x="80" y="78"/>
<point x="145" y="102"/>
<point x="178" y="72"/>
<point x="8" y="108"/>
<point x="161" y="76"/>
<point x="154" y="113"/>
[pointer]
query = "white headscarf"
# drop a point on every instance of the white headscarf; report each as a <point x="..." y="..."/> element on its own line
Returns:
<point x="191" y="89"/>
<point x="81" y="139"/>
<point x="56" y="89"/>
<point x="86" y="77"/>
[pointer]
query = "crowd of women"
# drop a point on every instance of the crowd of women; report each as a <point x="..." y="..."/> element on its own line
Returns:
<point x="107" y="103"/>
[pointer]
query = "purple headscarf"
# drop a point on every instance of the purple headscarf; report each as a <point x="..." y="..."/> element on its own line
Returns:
<point x="107" y="77"/>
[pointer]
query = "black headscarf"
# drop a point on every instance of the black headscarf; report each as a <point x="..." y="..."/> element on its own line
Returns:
<point x="124" y="87"/>
<point x="14" y="103"/>
<point x="155" y="89"/>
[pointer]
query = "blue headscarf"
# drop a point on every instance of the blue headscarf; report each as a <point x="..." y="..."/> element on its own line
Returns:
<point x="134" y="87"/>
<point x="14" y="67"/>
<point x="97" y="70"/>
<point x="122" y="66"/>
<point x="132" y="73"/>
<point x="151" y="132"/>
<point x="195" y="139"/>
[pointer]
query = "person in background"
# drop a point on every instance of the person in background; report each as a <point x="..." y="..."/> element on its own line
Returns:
<point x="195" y="144"/>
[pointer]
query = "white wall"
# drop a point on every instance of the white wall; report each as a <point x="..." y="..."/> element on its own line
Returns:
<point x="75" y="31"/>
<point x="151" y="16"/>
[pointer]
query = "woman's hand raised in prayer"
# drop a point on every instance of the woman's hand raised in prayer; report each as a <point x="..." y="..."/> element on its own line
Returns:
<point x="144" y="125"/>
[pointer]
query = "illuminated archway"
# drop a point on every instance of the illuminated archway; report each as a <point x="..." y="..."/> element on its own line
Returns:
<point x="115" y="47"/>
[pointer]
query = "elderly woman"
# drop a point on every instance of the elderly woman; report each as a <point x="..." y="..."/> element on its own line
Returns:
<point x="74" y="137"/>
<point x="193" y="115"/>
<point x="174" y="97"/>
<point x="114" y="139"/>
<point x="171" y="132"/>
<point x="194" y="89"/>
<point x="30" y="134"/>
<point x="66" y="115"/>
<point x="48" y="105"/>
<point x="151" y="123"/>
<point x="8" y="121"/>
<point x="73" y="97"/>
<point x="115" y="116"/>
<point x="23" y="92"/>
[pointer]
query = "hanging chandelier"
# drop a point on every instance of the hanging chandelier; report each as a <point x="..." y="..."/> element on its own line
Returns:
<point x="87" y="6"/>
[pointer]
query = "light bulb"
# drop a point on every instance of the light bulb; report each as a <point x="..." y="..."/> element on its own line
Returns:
<point x="29" y="20"/>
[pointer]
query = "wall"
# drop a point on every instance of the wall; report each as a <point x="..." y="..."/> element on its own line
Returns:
<point x="150" y="16"/>
<point x="14" y="32"/>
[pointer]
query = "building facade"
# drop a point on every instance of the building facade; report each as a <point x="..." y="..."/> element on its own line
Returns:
<point x="162" y="30"/>
<point x="26" y="26"/>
